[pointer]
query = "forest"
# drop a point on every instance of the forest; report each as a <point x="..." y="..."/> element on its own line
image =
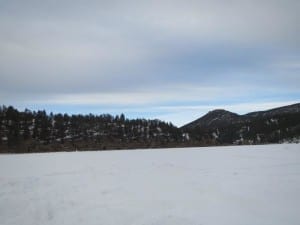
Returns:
<point x="33" y="131"/>
<point x="39" y="131"/>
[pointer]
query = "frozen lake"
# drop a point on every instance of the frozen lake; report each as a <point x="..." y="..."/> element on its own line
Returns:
<point x="248" y="185"/>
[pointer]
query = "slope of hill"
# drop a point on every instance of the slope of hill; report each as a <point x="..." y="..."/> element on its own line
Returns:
<point x="295" y="108"/>
<point x="215" y="118"/>
<point x="271" y="126"/>
<point x="31" y="131"/>
<point x="41" y="132"/>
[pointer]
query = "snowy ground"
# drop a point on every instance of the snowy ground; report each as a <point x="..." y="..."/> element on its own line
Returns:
<point x="255" y="185"/>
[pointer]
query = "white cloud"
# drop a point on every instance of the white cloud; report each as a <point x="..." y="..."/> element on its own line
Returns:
<point x="287" y="65"/>
<point x="139" y="97"/>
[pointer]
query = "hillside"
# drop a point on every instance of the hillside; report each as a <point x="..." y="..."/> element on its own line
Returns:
<point x="270" y="126"/>
<point x="215" y="118"/>
<point x="31" y="131"/>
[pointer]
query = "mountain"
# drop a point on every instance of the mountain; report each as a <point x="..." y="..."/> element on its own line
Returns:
<point x="31" y="131"/>
<point x="224" y="127"/>
<point x="215" y="118"/>
<point x="295" y="108"/>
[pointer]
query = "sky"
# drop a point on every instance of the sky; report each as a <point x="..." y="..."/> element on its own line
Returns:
<point x="171" y="60"/>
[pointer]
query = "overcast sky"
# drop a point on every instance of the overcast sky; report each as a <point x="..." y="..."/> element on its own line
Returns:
<point x="172" y="60"/>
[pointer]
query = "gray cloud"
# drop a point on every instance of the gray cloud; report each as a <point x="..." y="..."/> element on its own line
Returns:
<point x="75" y="51"/>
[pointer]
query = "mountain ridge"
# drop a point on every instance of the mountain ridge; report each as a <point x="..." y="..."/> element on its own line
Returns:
<point x="31" y="131"/>
<point x="219" y="114"/>
<point x="269" y="126"/>
<point x="293" y="108"/>
<point x="213" y="118"/>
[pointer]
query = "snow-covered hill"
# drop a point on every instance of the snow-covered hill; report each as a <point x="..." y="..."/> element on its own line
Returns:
<point x="217" y="185"/>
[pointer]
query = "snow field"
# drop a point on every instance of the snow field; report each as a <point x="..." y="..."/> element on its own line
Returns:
<point x="192" y="186"/>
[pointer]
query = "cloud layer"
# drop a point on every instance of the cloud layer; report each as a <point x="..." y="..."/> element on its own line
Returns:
<point x="121" y="55"/>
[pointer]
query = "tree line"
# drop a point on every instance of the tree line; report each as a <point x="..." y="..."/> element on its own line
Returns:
<point x="33" y="130"/>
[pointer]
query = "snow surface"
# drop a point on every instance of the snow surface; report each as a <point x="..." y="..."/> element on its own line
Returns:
<point x="193" y="186"/>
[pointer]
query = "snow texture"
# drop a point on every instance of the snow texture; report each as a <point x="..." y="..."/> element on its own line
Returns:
<point x="192" y="186"/>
